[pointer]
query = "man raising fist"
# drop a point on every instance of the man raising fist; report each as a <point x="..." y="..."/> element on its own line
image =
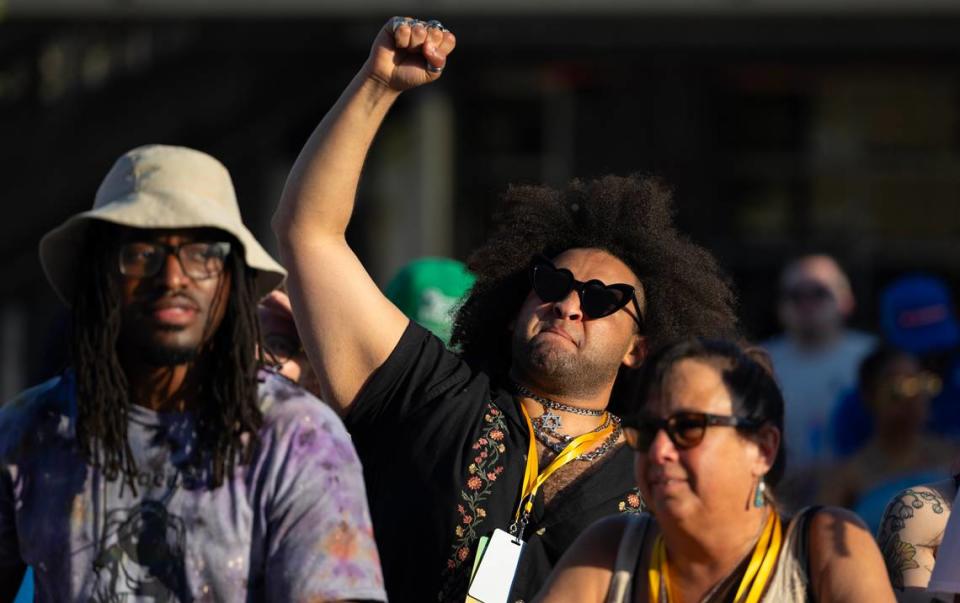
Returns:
<point x="512" y="437"/>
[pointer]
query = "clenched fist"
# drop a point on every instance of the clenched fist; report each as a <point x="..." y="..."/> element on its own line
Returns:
<point x="409" y="53"/>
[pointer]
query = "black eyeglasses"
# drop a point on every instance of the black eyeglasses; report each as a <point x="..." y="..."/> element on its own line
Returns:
<point x="801" y="293"/>
<point x="685" y="429"/>
<point x="597" y="299"/>
<point x="199" y="260"/>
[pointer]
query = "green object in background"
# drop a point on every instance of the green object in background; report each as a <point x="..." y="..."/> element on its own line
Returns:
<point x="429" y="290"/>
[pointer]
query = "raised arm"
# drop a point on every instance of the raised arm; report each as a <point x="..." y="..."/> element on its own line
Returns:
<point x="348" y="327"/>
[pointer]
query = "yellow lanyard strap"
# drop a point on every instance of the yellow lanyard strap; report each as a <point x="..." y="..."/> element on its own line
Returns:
<point x="533" y="462"/>
<point x="657" y="566"/>
<point x="754" y="581"/>
<point x="769" y="562"/>
<point x="532" y="481"/>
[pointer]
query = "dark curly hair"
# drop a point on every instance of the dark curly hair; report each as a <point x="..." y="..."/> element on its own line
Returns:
<point x="685" y="292"/>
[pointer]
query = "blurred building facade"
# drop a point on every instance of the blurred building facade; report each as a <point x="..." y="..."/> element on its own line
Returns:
<point x="784" y="126"/>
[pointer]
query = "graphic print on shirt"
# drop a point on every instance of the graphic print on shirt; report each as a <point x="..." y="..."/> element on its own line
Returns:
<point x="141" y="556"/>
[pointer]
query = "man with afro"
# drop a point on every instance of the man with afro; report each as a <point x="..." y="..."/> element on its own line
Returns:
<point x="573" y="288"/>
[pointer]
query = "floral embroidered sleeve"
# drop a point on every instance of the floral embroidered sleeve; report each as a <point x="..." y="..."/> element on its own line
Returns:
<point x="632" y="502"/>
<point x="486" y="467"/>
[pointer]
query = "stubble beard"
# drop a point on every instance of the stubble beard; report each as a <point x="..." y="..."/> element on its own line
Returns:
<point x="560" y="372"/>
<point x="168" y="356"/>
<point x="161" y="354"/>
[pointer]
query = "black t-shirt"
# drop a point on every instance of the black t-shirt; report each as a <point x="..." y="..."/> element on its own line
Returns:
<point x="444" y="453"/>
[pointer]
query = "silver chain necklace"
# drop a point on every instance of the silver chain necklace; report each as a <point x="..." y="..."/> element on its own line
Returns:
<point x="550" y="420"/>
<point x="558" y="441"/>
<point x="547" y="426"/>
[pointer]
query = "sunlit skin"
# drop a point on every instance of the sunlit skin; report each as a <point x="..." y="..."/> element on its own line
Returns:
<point x="701" y="499"/>
<point x="560" y="353"/>
<point x="167" y="319"/>
<point x="703" y="496"/>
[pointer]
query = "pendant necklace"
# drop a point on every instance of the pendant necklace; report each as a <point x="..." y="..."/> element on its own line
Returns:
<point x="547" y="426"/>
<point x="550" y="420"/>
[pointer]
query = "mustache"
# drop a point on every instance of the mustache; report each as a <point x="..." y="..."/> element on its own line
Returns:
<point x="557" y="326"/>
<point x="167" y="298"/>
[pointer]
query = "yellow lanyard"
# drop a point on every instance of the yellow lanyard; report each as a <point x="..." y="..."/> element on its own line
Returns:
<point x="532" y="480"/>
<point x="754" y="580"/>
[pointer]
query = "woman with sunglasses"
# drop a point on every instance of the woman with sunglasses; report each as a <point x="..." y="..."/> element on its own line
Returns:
<point x="707" y="452"/>
<point x="903" y="450"/>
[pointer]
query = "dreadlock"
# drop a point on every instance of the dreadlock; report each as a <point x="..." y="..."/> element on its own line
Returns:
<point x="631" y="218"/>
<point x="229" y="389"/>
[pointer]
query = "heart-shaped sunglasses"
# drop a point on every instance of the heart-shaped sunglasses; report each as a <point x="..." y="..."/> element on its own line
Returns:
<point x="597" y="299"/>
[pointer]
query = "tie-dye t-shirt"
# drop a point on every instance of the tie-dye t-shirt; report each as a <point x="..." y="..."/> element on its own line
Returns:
<point x="292" y="525"/>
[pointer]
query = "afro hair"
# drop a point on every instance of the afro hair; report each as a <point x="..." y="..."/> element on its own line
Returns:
<point x="685" y="292"/>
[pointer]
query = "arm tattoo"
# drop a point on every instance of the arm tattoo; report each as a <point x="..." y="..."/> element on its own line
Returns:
<point x="900" y="555"/>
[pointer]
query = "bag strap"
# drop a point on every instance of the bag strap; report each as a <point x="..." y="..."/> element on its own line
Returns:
<point x="804" y="521"/>
<point x="628" y="555"/>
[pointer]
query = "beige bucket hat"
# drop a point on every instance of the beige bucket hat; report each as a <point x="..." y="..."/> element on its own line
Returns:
<point x="158" y="186"/>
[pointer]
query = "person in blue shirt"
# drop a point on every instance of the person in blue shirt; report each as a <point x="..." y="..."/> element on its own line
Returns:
<point x="918" y="317"/>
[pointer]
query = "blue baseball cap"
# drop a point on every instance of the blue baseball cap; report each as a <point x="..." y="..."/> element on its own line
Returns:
<point x="916" y="315"/>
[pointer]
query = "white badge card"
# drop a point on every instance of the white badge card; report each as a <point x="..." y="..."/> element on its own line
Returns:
<point x="493" y="578"/>
<point x="481" y="547"/>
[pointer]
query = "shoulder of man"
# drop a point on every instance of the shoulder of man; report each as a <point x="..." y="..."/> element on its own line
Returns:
<point x="286" y="405"/>
<point x="860" y="341"/>
<point x="22" y="416"/>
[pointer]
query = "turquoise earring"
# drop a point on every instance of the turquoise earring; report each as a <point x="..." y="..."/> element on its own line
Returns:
<point x="758" y="498"/>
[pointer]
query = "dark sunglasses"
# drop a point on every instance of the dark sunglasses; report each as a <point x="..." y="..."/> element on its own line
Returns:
<point x="901" y="388"/>
<point x="801" y="293"/>
<point x="685" y="429"/>
<point x="597" y="299"/>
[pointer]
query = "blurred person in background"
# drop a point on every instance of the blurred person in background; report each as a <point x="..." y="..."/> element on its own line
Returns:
<point x="902" y="451"/>
<point x="511" y="436"/>
<point x="815" y="359"/>
<point x="917" y="316"/>
<point x="708" y="456"/>
<point x="429" y="291"/>
<point x="162" y="464"/>
<point x="282" y="349"/>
